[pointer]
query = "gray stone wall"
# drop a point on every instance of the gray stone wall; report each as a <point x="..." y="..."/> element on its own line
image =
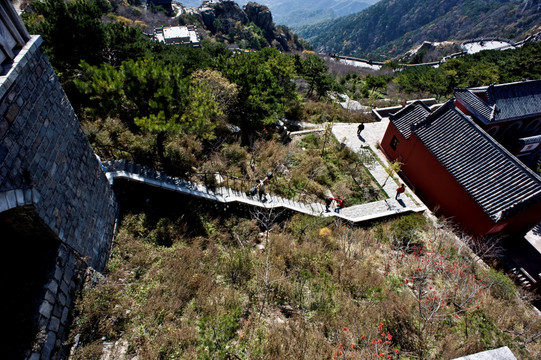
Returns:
<point x="48" y="168"/>
<point x="43" y="148"/>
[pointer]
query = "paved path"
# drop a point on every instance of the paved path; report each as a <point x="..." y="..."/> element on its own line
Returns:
<point x="371" y="135"/>
<point x="346" y="133"/>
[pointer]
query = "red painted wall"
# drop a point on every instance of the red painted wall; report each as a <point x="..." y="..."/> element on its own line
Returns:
<point x="443" y="193"/>
<point x="403" y="148"/>
<point x="441" y="190"/>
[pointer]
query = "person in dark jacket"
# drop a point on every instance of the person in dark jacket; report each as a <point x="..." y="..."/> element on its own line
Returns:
<point x="359" y="129"/>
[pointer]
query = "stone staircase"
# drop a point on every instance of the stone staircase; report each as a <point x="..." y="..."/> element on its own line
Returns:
<point x="357" y="213"/>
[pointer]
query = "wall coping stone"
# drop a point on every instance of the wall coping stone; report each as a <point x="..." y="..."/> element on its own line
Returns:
<point x="19" y="197"/>
<point x="18" y="63"/>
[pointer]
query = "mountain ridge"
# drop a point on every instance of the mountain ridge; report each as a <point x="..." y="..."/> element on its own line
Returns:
<point x="390" y="27"/>
<point x="294" y="13"/>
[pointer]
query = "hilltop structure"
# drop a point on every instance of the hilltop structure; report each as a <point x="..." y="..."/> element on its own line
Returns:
<point x="178" y="35"/>
<point x="458" y="168"/>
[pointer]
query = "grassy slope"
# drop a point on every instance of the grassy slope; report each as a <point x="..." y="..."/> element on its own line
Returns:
<point x="200" y="283"/>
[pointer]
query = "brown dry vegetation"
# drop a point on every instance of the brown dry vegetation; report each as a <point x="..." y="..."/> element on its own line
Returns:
<point x="309" y="288"/>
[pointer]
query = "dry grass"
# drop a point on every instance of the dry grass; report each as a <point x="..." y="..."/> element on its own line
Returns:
<point x="312" y="289"/>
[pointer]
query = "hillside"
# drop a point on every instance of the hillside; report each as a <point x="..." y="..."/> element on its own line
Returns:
<point x="391" y="27"/>
<point x="295" y="13"/>
<point x="249" y="27"/>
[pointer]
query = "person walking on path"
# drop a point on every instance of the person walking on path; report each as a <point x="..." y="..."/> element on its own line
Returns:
<point x="400" y="190"/>
<point x="359" y="129"/>
<point x="339" y="205"/>
<point x="261" y="190"/>
<point x="328" y="202"/>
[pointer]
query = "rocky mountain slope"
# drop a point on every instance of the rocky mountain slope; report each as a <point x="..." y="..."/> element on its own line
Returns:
<point x="295" y="13"/>
<point x="249" y="27"/>
<point x="391" y="27"/>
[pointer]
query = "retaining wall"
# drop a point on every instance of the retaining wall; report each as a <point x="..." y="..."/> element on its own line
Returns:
<point x="48" y="167"/>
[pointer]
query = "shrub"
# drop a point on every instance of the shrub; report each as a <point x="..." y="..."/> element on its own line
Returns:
<point x="238" y="266"/>
<point x="501" y="286"/>
<point x="406" y="230"/>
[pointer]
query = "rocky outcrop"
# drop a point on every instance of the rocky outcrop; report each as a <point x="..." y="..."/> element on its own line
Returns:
<point x="259" y="15"/>
<point x="222" y="16"/>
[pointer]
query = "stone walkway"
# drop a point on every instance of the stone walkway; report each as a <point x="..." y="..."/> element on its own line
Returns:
<point x="371" y="135"/>
<point x="346" y="133"/>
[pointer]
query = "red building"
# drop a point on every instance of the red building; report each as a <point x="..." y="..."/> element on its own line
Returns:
<point x="461" y="171"/>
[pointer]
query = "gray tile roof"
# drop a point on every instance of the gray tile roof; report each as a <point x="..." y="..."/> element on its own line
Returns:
<point x="411" y="114"/>
<point x="504" y="102"/>
<point x="494" y="178"/>
<point x="474" y="104"/>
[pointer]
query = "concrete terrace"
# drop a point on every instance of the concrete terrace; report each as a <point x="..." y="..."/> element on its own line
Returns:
<point x="370" y="137"/>
<point x="356" y="213"/>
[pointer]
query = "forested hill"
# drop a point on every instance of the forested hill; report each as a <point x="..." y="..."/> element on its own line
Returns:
<point x="392" y="27"/>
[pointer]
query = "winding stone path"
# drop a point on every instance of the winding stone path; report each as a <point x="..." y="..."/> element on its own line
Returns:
<point x="356" y="213"/>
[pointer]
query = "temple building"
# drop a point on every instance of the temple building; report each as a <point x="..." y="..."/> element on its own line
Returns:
<point x="457" y="163"/>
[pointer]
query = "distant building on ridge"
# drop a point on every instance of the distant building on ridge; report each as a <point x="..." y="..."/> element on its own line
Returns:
<point x="178" y="35"/>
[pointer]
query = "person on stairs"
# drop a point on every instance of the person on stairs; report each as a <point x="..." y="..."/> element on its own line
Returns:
<point x="339" y="205"/>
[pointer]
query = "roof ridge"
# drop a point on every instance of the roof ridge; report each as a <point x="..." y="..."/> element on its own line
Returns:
<point x="433" y="115"/>
<point x="409" y="107"/>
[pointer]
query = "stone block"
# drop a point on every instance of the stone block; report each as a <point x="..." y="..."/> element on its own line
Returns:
<point x="65" y="315"/>
<point x="12" y="113"/>
<point x="64" y="288"/>
<point x="19" y="195"/>
<point x="35" y="196"/>
<point x="53" y="287"/>
<point x="4" y="128"/>
<point x="48" y="347"/>
<point x="45" y="309"/>
<point x="57" y="311"/>
<point x="11" y="199"/>
<point x="28" y="197"/>
<point x="4" y="205"/>
<point x="50" y="297"/>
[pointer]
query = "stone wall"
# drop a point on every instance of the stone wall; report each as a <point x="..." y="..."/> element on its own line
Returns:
<point x="43" y="148"/>
<point x="48" y="168"/>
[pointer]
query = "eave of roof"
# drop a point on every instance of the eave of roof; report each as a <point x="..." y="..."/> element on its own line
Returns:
<point x="505" y="102"/>
<point x="415" y="112"/>
<point x="494" y="178"/>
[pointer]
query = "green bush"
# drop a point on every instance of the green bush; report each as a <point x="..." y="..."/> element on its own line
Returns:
<point x="406" y="230"/>
<point x="501" y="286"/>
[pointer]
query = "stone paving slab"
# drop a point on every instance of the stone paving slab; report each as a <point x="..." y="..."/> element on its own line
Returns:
<point x="369" y="141"/>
